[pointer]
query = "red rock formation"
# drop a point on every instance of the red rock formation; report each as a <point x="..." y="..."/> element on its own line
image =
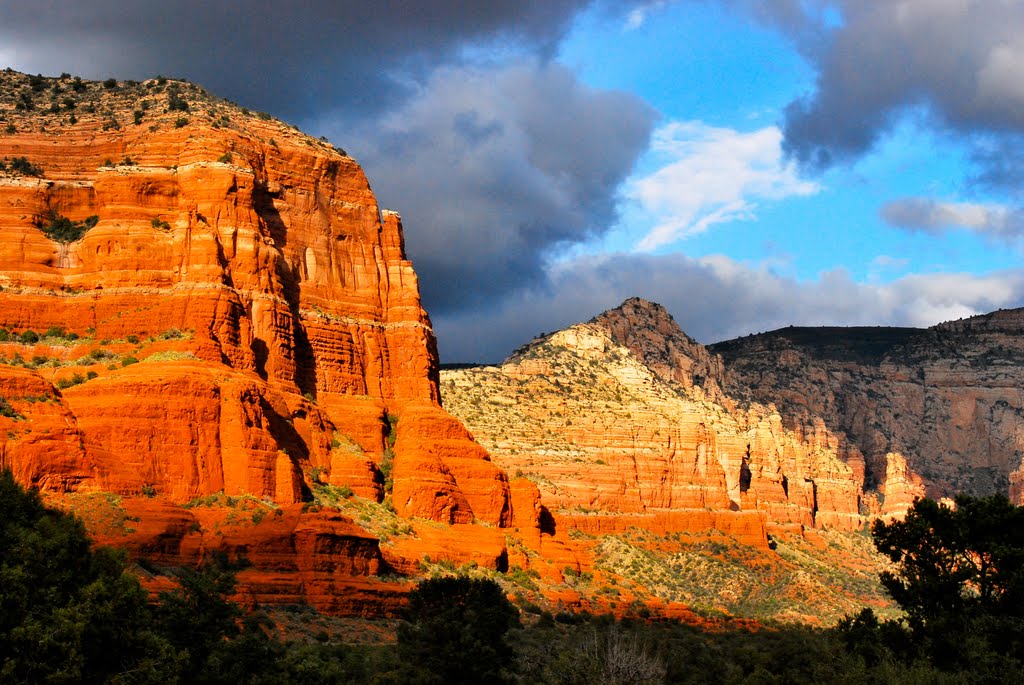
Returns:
<point x="268" y="299"/>
<point x="648" y="331"/>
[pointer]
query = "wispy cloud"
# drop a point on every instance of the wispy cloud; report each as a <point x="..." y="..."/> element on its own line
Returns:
<point x="711" y="175"/>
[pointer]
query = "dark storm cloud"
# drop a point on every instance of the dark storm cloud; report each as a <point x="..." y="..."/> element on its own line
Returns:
<point x="286" y="58"/>
<point x="495" y="168"/>
<point x="493" y="154"/>
<point x="716" y="298"/>
<point x="960" y="61"/>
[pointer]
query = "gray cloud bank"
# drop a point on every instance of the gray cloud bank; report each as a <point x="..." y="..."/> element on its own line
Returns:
<point x="717" y="298"/>
<point x="290" y="59"/>
<point x="996" y="222"/>
<point x="494" y="168"/>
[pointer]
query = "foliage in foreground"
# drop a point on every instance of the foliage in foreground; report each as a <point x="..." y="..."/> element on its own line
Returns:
<point x="70" y="614"/>
<point x="960" y="580"/>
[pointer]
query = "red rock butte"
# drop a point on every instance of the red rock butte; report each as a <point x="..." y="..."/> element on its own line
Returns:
<point x="265" y="296"/>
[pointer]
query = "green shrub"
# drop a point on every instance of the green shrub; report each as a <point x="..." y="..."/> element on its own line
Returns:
<point x="128" y="361"/>
<point x="157" y="223"/>
<point x="21" y="166"/>
<point x="387" y="465"/>
<point x="181" y="122"/>
<point x="7" y="410"/>
<point x="225" y="158"/>
<point x="175" y="103"/>
<point x="110" y="83"/>
<point x="456" y="632"/>
<point x="25" y="102"/>
<point x="29" y="337"/>
<point x="63" y="230"/>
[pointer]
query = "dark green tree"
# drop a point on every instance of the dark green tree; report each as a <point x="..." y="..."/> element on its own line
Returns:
<point x="456" y="632"/>
<point x="959" y="576"/>
<point x="68" y="613"/>
<point x="198" y="616"/>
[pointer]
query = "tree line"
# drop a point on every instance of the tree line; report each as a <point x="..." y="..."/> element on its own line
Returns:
<point x="71" y="613"/>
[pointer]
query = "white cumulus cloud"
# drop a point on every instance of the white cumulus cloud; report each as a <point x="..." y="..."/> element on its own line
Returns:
<point x="711" y="175"/>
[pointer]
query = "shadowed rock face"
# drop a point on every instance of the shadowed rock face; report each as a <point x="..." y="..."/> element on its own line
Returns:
<point x="265" y="295"/>
<point x="947" y="398"/>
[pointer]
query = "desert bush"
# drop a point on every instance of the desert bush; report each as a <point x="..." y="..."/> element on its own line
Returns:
<point x="63" y="230"/>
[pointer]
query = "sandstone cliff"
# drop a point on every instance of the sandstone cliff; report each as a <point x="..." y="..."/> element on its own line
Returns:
<point x="197" y="299"/>
<point x="621" y="422"/>
<point x="947" y="400"/>
<point x="646" y="476"/>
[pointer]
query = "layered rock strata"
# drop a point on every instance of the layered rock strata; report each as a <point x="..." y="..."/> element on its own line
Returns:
<point x="197" y="299"/>
<point x="938" y="410"/>
<point x="613" y="443"/>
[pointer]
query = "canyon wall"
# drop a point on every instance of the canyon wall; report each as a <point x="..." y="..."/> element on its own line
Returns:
<point x="948" y="399"/>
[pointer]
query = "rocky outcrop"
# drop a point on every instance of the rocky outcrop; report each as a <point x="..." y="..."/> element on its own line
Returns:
<point x="937" y="410"/>
<point x="613" y="443"/>
<point x="197" y="299"/>
<point x="648" y="331"/>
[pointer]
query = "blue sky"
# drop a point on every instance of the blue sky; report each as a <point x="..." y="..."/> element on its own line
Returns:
<point x="749" y="164"/>
<point x="707" y="66"/>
